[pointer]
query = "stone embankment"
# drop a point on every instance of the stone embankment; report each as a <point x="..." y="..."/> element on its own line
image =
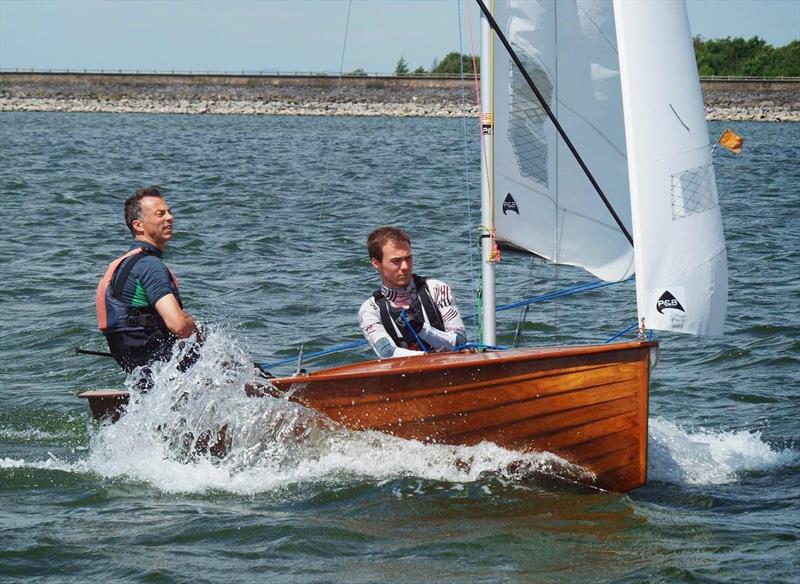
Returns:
<point x="236" y="94"/>
<point x="758" y="101"/>
<point x="325" y="95"/>
<point x="315" y="107"/>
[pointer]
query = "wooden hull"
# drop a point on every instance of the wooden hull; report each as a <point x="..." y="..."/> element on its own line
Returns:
<point x="587" y="404"/>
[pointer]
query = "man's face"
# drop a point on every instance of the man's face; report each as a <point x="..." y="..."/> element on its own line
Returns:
<point x="396" y="267"/>
<point x="156" y="223"/>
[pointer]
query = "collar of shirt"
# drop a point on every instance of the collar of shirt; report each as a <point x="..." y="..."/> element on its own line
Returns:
<point x="148" y="247"/>
<point x="400" y="296"/>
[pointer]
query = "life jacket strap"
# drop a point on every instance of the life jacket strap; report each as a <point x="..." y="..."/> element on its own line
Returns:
<point x="145" y="317"/>
<point x="431" y="310"/>
<point x="402" y="336"/>
<point x="123" y="271"/>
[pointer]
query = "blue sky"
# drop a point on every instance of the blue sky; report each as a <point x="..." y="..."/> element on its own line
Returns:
<point x="290" y="35"/>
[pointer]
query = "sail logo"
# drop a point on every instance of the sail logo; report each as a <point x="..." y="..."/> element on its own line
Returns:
<point x="509" y="204"/>
<point x="667" y="301"/>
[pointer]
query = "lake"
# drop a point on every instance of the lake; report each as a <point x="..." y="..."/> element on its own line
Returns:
<point x="271" y="217"/>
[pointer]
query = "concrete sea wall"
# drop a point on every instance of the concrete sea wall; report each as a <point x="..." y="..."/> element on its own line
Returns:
<point x="733" y="100"/>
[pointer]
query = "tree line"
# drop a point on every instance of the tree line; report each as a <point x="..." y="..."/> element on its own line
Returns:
<point x="736" y="57"/>
<point x="451" y="64"/>
<point x="746" y="58"/>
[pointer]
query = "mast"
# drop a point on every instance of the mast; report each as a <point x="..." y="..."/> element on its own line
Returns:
<point x="488" y="305"/>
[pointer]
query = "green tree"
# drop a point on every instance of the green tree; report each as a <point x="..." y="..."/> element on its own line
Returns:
<point x="746" y="57"/>
<point x="402" y="67"/>
<point x="419" y="71"/>
<point x="787" y="61"/>
<point x="452" y="62"/>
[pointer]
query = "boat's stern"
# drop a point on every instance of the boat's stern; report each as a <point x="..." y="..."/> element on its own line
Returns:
<point x="106" y="404"/>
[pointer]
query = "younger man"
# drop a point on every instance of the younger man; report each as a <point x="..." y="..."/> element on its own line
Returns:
<point x="409" y="314"/>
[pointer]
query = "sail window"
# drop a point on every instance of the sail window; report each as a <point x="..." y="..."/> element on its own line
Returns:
<point x="527" y="118"/>
<point x="693" y="191"/>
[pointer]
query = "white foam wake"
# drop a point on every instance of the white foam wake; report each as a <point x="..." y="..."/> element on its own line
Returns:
<point x="52" y="463"/>
<point x="706" y="456"/>
<point x="33" y="435"/>
<point x="270" y="442"/>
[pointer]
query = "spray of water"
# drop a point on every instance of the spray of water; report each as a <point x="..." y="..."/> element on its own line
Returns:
<point x="196" y="430"/>
<point x="704" y="456"/>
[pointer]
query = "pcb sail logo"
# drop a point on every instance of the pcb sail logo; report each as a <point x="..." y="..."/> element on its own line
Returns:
<point x="509" y="204"/>
<point x="668" y="301"/>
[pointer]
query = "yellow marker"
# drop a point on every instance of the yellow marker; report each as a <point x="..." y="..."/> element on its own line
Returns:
<point x="731" y="141"/>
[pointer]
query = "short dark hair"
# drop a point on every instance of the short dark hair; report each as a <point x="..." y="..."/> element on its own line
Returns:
<point x="381" y="236"/>
<point x="133" y="204"/>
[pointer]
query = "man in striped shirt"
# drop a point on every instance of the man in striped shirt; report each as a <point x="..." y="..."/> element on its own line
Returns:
<point x="409" y="314"/>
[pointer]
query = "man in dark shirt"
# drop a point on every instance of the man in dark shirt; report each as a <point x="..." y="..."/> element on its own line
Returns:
<point x="139" y="308"/>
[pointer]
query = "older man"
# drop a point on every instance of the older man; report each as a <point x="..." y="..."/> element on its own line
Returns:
<point x="139" y="307"/>
<point x="409" y="314"/>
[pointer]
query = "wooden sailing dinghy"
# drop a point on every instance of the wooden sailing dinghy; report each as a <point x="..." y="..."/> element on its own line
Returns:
<point x="587" y="404"/>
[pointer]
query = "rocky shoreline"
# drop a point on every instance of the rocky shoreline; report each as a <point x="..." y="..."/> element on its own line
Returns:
<point x="444" y="109"/>
<point x="323" y="96"/>
<point x="760" y="110"/>
<point x="752" y="105"/>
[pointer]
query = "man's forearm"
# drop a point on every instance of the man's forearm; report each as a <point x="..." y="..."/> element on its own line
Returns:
<point x="441" y="339"/>
<point x="186" y="327"/>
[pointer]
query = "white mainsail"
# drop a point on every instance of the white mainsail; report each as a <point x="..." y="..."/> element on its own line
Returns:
<point x="681" y="266"/>
<point x="543" y="201"/>
<point x="589" y="58"/>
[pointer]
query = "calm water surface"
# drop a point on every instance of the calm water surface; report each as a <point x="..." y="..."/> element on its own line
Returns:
<point x="271" y="217"/>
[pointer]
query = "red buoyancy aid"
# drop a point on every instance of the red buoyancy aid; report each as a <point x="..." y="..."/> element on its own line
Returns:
<point x="103" y="290"/>
<point x="112" y="314"/>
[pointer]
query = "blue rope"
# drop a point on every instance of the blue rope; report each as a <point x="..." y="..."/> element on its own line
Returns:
<point x="335" y="349"/>
<point x="480" y="347"/>
<point x="620" y="333"/>
<point x="560" y="293"/>
<point x="557" y="294"/>
<point x="535" y="300"/>
<point x="404" y="316"/>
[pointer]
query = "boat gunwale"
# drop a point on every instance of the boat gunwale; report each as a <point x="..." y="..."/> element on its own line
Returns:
<point x="420" y="364"/>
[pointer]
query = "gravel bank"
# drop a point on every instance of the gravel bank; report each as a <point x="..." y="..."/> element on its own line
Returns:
<point x="320" y="96"/>
<point x="242" y="107"/>
<point x="756" y="106"/>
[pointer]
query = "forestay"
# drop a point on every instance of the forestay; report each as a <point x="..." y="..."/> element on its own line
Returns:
<point x="543" y="201"/>
<point x="681" y="266"/>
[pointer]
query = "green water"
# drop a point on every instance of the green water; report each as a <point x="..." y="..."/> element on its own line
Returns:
<point x="271" y="218"/>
